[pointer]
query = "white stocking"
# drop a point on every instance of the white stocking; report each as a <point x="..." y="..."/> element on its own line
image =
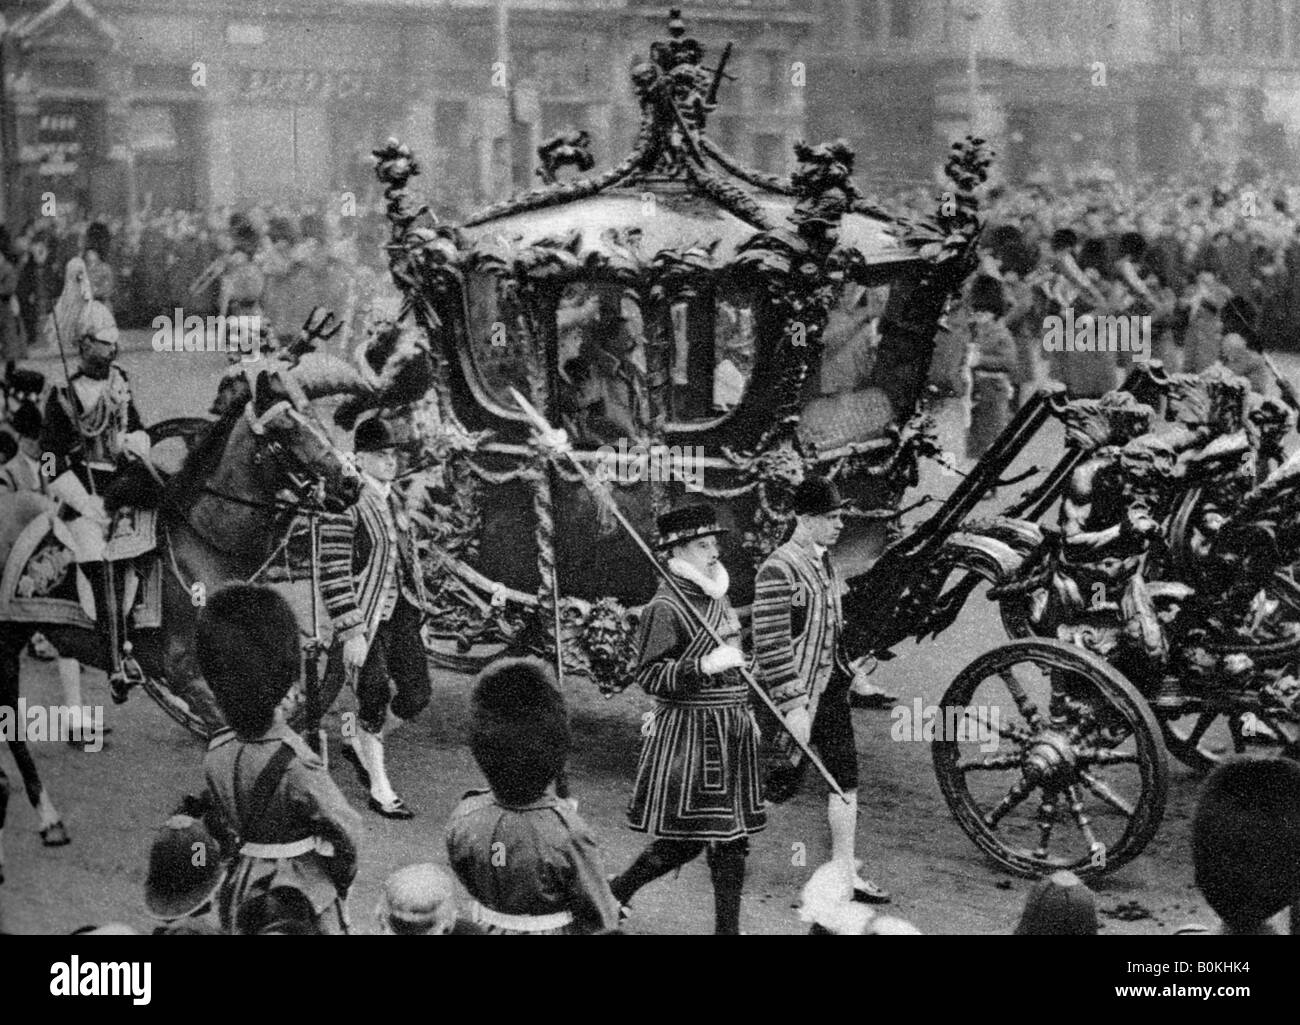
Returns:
<point x="843" y="820"/>
<point x="371" y="748"/>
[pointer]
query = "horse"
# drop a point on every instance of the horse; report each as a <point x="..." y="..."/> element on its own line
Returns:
<point x="221" y="518"/>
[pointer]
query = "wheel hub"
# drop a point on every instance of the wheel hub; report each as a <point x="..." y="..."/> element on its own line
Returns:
<point x="1049" y="756"/>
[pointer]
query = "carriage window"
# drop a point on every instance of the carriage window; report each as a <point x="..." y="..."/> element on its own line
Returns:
<point x="710" y="354"/>
<point x="497" y="348"/>
<point x="850" y="339"/>
<point x="601" y="332"/>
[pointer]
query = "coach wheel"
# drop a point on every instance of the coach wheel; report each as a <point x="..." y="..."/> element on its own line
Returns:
<point x="1203" y="738"/>
<point x="1050" y="759"/>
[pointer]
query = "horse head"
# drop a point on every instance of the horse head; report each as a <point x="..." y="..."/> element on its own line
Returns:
<point x="293" y="441"/>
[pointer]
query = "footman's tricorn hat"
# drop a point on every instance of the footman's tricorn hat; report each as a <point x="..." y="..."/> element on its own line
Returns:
<point x="817" y="496"/>
<point x="688" y="523"/>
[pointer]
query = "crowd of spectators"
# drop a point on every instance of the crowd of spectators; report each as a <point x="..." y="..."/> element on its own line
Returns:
<point x="156" y="262"/>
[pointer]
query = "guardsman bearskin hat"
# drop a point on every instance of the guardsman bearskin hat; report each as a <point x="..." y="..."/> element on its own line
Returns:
<point x="26" y="421"/>
<point x="25" y="385"/>
<point x="519" y="732"/>
<point x="247" y="645"/>
<point x="1246" y="840"/>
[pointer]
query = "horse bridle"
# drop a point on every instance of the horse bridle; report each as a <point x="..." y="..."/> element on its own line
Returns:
<point x="298" y="477"/>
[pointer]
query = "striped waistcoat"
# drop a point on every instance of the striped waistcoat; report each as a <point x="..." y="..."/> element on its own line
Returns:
<point x="367" y="556"/>
<point x="797" y="626"/>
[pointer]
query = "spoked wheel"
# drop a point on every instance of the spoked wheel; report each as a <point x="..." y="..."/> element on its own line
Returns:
<point x="1204" y="737"/>
<point x="1049" y="759"/>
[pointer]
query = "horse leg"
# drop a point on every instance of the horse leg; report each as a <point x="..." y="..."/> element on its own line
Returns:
<point x="53" y="832"/>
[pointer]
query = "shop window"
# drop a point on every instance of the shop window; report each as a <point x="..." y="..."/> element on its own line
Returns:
<point x="171" y="77"/>
<point x="772" y="77"/>
<point x="66" y="74"/>
<point x="1274" y="35"/>
<point x="869" y="20"/>
<point x="902" y="19"/>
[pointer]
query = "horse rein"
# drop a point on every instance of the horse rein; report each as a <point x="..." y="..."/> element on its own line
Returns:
<point x="288" y="465"/>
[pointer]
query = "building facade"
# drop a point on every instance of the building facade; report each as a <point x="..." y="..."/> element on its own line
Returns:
<point x="1134" y="86"/>
<point x="127" y="104"/>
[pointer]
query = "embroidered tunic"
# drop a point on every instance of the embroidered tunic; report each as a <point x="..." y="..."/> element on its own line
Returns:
<point x="698" y="775"/>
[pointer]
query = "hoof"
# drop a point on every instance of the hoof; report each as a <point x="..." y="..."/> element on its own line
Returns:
<point x="55" y="835"/>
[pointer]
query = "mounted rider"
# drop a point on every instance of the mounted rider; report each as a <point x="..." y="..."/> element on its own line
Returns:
<point x="92" y="429"/>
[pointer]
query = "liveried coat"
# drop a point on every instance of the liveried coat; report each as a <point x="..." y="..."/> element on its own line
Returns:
<point x="357" y="550"/>
<point x="798" y="623"/>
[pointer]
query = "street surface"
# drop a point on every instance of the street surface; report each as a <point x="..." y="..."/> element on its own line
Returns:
<point x="113" y="800"/>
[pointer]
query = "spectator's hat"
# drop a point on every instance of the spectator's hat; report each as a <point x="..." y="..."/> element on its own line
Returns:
<point x="817" y="496"/>
<point x="1060" y="905"/>
<point x="519" y="732"/>
<point x="413" y="898"/>
<point x="688" y="523"/>
<point x="184" y="869"/>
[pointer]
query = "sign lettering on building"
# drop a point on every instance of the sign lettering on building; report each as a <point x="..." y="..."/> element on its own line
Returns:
<point x="57" y="143"/>
<point x="305" y="86"/>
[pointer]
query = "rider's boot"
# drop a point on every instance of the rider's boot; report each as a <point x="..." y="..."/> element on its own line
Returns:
<point x="124" y="670"/>
<point x="83" y="735"/>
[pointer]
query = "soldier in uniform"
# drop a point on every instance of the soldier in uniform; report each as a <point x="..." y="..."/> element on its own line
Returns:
<point x="272" y="800"/>
<point x="92" y="428"/>
<point x="697" y="785"/>
<point x="373" y="589"/>
<point x="797" y="627"/>
<point x="524" y="854"/>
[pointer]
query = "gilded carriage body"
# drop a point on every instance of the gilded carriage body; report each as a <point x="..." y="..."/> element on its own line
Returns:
<point x="700" y="329"/>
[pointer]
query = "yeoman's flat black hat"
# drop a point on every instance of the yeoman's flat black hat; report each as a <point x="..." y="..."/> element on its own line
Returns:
<point x="686" y="524"/>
